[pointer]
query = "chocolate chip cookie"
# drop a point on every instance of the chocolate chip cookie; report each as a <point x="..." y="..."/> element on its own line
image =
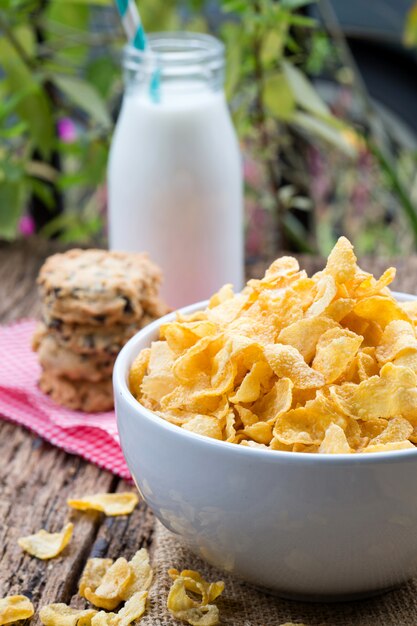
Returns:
<point x="63" y="362"/>
<point x="78" y="395"/>
<point x="93" y="340"/>
<point x="93" y="301"/>
<point x="99" y="288"/>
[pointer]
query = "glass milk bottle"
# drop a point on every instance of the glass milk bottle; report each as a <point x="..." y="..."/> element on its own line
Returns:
<point x="175" y="172"/>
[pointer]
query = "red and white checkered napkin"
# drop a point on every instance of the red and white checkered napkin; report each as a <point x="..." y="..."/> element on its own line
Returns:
<point x="91" y="435"/>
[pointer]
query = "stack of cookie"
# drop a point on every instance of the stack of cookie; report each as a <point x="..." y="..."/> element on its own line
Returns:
<point x="93" y="301"/>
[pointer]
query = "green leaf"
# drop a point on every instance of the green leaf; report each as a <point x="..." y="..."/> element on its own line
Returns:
<point x="74" y="16"/>
<point x="326" y="132"/>
<point x="302" y="20"/>
<point x="33" y="108"/>
<point x="39" y="169"/>
<point x="104" y="3"/>
<point x="67" y="25"/>
<point x="9" y="104"/>
<point x="44" y="192"/>
<point x="321" y="51"/>
<point x="295" y="4"/>
<point x="278" y="97"/>
<point x="96" y="164"/>
<point x="234" y="6"/>
<point x="160" y="15"/>
<point x="292" y="45"/>
<point x="304" y="93"/>
<point x="14" y="130"/>
<point x="326" y="238"/>
<point x="84" y="96"/>
<point x="410" y="27"/>
<point x="74" y="226"/>
<point x="233" y="41"/>
<point x="388" y="167"/>
<point x="289" y="199"/>
<point x="102" y="73"/>
<point x="272" y="45"/>
<point x="301" y="203"/>
<point x="78" y="179"/>
<point x="11" y="171"/>
<point x="12" y="205"/>
<point x="296" y="233"/>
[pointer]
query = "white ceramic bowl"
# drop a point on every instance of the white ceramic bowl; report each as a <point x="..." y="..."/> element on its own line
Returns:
<point x="311" y="526"/>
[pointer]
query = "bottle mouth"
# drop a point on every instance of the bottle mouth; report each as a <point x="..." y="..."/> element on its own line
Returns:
<point x="174" y="52"/>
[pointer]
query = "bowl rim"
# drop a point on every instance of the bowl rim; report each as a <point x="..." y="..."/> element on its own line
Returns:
<point x="120" y="384"/>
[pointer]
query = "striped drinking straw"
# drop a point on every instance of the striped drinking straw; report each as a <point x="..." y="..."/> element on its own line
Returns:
<point x="132" y="25"/>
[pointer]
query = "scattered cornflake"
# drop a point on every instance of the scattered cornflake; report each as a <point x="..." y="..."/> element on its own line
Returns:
<point x="63" y="615"/>
<point x="15" y="608"/>
<point x="142" y="574"/>
<point x="108" y="503"/>
<point x="183" y="607"/>
<point x="131" y="612"/>
<point x="106" y="584"/>
<point x="200" y="616"/>
<point x="195" y="582"/>
<point x="109" y="593"/>
<point x="104" y="619"/>
<point x="45" y="545"/>
<point x="93" y="574"/>
<point x="133" y="609"/>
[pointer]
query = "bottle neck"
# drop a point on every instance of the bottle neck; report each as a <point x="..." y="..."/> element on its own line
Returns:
<point x="176" y="65"/>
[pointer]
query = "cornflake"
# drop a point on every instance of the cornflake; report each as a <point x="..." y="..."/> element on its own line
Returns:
<point x="93" y="574"/>
<point x="15" y="608"/>
<point x="131" y="611"/>
<point x="62" y="615"/>
<point x="182" y="606"/>
<point x="44" y="545"/>
<point x="106" y="584"/>
<point x="108" y="503"/>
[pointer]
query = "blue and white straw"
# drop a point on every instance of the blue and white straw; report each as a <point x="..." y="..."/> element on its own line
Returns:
<point x="132" y="23"/>
<point x="133" y="27"/>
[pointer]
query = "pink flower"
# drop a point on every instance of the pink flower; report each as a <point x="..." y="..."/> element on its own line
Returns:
<point x="67" y="131"/>
<point x="26" y="225"/>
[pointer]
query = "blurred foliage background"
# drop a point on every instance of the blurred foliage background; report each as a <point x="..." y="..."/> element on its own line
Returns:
<point x="316" y="164"/>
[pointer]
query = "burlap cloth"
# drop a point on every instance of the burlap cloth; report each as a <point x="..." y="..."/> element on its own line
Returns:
<point x="242" y="605"/>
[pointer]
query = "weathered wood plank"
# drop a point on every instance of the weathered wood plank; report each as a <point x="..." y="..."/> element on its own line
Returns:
<point x="35" y="481"/>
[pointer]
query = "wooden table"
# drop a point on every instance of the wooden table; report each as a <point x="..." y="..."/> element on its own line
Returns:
<point x="36" y="479"/>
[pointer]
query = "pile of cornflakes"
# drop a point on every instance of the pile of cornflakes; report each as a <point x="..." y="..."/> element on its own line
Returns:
<point x="323" y="364"/>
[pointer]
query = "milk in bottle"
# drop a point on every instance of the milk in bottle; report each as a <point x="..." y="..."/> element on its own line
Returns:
<point x="175" y="176"/>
